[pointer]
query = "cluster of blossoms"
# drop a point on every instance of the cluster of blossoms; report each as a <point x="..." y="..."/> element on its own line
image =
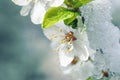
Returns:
<point x="38" y="8"/>
<point x="65" y="27"/>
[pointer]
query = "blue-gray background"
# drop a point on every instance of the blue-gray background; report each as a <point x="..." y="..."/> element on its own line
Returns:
<point x="23" y="47"/>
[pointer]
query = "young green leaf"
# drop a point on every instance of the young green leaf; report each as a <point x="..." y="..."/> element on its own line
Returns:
<point x="89" y="78"/>
<point x="69" y="3"/>
<point x="56" y="14"/>
<point x="73" y="24"/>
<point x="76" y="3"/>
<point x="70" y="20"/>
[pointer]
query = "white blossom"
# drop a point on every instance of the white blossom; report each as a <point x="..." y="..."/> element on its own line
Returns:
<point x="68" y="50"/>
<point x="38" y="8"/>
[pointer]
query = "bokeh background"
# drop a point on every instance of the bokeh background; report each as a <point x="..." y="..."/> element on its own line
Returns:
<point x="23" y="47"/>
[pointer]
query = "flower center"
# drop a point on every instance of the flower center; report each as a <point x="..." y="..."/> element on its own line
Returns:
<point x="70" y="37"/>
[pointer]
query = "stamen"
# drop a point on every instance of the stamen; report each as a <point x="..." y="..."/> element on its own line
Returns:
<point x="69" y="43"/>
<point x="53" y="36"/>
<point x="61" y="30"/>
<point x="69" y="48"/>
<point x="70" y="37"/>
<point x="75" y="60"/>
<point x="62" y="41"/>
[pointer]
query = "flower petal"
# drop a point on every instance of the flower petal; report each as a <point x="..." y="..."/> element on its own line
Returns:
<point x="81" y="46"/>
<point x="64" y="27"/>
<point x="82" y="52"/>
<point x="67" y="48"/>
<point x="25" y="10"/>
<point x="37" y="13"/>
<point x="54" y="33"/>
<point x="86" y="54"/>
<point x="65" y="60"/>
<point x="56" y="3"/>
<point x="22" y="2"/>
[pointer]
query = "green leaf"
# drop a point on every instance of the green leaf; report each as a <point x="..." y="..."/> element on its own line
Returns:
<point x="76" y="3"/>
<point x="73" y="24"/>
<point x="70" y="20"/>
<point x="56" y="14"/>
<point x="69" y="3"/>
<point x="89" y="78"/>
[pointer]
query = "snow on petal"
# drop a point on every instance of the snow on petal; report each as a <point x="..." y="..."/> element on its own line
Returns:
<point x="85" y="70"/>
<point x="37" y="13"/>
<point x="22" y="2"/>
<point x="25" y="10"/>
<point x="81" y="71"/>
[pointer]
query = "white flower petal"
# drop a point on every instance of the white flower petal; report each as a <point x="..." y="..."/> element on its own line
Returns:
<point x="86" y="54"/>
<point x="81" y="51"/>
<point x="55" y="45"/>
<point x="65" y="60"/>
<point x="56" y="3"/>
<point x="22" y="2"/>
<point x="37" y="13"/>
<point x="67" y="48"/>
<point x="81" y="46"/>
<point x="54" y="33"/>
<point x="64" y="27"/>
<point x="25" y="10"/>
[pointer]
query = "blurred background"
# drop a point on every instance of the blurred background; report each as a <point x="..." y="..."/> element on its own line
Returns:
<point x="24" y="50"/>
